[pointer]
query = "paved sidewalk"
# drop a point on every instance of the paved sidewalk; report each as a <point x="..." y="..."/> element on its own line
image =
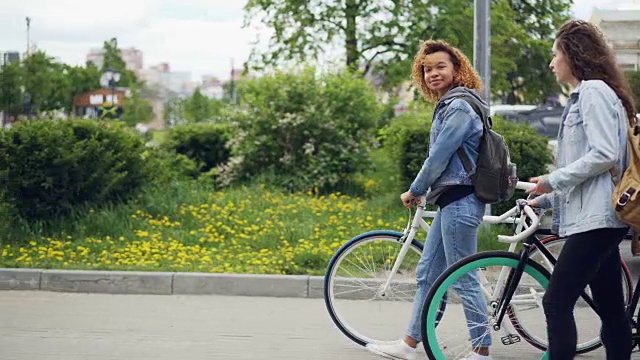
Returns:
<point x="37" y="325"/>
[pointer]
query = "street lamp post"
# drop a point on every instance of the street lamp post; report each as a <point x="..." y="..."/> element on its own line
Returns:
<point x="109" y="79"/>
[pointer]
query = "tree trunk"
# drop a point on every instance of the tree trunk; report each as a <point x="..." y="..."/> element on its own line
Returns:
<point x="351" y="44"/>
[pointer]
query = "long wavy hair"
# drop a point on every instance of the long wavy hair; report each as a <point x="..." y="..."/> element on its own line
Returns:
<point x="465" y="75"/>
<point x="591" y="58"/>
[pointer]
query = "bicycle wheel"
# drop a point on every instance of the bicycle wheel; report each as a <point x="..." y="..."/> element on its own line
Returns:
<point x="585" y="316"/>
<point x="482" y="276"/>
<point x="634" y="313"/>
<point x="353" y="283"/>
<point x="555" y="244"/>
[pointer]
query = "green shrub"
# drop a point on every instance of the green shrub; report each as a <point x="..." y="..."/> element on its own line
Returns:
<point x="306" y="130"/>
<point x="528" y="150"/>
<point x="169" y="166"/>
<point x="49" y="167"/>
<point x="634" y="82"/>
<point x="204" y="143"/>
<point x="407" y="140"/>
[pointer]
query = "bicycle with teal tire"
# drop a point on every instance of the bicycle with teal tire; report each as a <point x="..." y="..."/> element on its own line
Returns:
<point x="513" y="285"/>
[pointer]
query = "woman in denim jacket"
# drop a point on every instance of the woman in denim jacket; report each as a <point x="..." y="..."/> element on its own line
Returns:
<point x="592" y="140"/>
<point x="444" y="74"/>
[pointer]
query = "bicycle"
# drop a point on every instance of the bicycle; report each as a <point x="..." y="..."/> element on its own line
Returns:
<point x="519" y="281"/>
<point x="376" y="270"/>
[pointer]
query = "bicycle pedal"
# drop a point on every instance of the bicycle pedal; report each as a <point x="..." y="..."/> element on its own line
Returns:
<point x="510" y="339"/>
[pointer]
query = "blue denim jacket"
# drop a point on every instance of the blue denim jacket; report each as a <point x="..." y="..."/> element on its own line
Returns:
<point x="455" y="125"/>
<point x="592" y="139"/>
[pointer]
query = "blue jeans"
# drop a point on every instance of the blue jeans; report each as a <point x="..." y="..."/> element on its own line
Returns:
<point x="453" y="236"/>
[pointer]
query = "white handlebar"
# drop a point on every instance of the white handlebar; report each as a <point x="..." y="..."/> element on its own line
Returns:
<point x="522" y="185"/>
<point x="509" y="216"/>
<point x="535" y="221"/>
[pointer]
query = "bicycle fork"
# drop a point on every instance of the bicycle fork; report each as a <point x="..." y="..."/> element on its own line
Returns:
<point x="515" y="275"/>
<point x="508" y="333"/>
<point x="407" y="238"/>
<point x="396" y="265"/>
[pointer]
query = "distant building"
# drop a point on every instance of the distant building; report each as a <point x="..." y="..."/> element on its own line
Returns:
<point x="210" y="80"/>
<point x="8" y="57"/>
<point x="179" y="82"/>
<point x="89" y="104"/>
<point x="170" y="83"/>
<point x="132" y="58"/>
<point x="212" y="87"/>
<point x="621" y="27"/>
<point x="238" y="74"/>
<point x="154" y="75"/>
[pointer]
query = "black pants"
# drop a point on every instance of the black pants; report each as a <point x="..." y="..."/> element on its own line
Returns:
<point x="590" y="258"/>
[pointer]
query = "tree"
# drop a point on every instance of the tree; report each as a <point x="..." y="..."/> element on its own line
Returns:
<point x="135" y="109"/>
<point x="113" y="60"/>
<point x="38" y="84"/>
<point x="43" y="83"/>
<point x="230" y="92"/>
<point x="634" y="82"/>
<point x="52" y="85"/>
<point x="174" y="111"/>
<point x="308" y="29"/>
<point x="197" y="108"/>
<point x="81" y="80"/>
<point x="10" y="93"/>
<point x="383" y="36"/>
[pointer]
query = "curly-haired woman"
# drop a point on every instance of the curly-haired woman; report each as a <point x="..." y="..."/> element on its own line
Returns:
<point x="592" y="141"/>
<point x="444" y="75"/>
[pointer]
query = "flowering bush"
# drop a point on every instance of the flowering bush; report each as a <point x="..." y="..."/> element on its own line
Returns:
<point x="306" y="130"/>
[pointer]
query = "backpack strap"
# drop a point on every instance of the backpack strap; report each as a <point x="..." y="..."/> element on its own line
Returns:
<point x="486" y="122"/>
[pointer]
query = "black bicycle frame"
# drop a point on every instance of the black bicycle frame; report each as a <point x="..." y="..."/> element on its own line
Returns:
<point x="630" y="309"/>
<point x="515" y="275"/>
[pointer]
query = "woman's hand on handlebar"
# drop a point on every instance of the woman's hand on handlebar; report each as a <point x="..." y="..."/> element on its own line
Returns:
<point x="409" y="199"/>
<point x="533" y="202"/>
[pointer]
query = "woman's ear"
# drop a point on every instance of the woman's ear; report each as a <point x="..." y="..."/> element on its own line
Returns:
<point x="456" y="77"/>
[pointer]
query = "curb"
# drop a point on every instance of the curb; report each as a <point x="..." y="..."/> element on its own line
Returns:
<point x="161" y="283"/>
<point x="184" y="283"/>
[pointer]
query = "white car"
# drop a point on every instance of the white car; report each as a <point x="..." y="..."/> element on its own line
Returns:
<point x="503" y="108"/>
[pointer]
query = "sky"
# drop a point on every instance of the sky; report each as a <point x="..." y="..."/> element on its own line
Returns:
<point x="199" y="36"/>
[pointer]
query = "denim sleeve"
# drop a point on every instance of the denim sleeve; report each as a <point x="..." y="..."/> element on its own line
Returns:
<point x="545" y="201"/>
<point x="457" y="124"/>
<point x="602" y="137"/>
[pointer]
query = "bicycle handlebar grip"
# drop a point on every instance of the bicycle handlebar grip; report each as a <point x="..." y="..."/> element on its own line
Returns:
<point x="523" y="185"/>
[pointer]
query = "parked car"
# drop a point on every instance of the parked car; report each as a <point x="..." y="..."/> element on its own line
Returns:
<point x="545" y="120"/>
<point x="508" y="110"/>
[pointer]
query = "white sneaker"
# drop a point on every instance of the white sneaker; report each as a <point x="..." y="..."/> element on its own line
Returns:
<point x="475" y="356"/>
<point x="397" y="350"/>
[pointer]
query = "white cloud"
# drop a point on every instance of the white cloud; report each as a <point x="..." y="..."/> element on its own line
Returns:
<point x="201" y="36"/>
<point x="582" y="8"/>
<point x="196" y="45"/>
<point x="194" y="35"/>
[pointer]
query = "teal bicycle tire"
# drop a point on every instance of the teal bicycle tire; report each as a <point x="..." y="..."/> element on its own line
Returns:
<point x="455" y="271"/>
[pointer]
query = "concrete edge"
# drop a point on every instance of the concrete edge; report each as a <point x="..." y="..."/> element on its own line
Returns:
<point x="161" y="283"/>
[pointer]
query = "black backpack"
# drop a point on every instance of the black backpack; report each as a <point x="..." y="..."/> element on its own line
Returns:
<point x="495" y="177"/>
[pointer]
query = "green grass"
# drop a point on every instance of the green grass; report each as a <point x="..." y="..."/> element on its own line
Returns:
<point x="188" y="226"/>
<point x="158" y="136"/>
